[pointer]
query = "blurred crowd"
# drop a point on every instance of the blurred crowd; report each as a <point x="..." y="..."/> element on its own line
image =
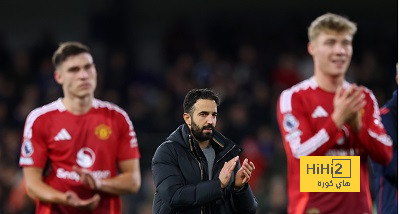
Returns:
<point x="248" y="77"/>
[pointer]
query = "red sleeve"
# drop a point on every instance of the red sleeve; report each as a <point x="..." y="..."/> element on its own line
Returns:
<point x="294" y="124"/>
<point x="127" y="141"/>
<point x="34" y="147"/>
<point x="372" y="135"/>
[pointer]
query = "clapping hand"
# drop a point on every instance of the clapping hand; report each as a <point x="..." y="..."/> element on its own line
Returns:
<point x="88" y="179"/>
<point x="347" y="105"/>
<point x="226" y="171"/>
<point x="244" y="173"/>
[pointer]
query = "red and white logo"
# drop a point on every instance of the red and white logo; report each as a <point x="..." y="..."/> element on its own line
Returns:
<point x="85" y="157"/>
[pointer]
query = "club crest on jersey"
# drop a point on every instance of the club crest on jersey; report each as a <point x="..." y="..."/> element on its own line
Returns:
<point x="103" y="132"/>
<point x="290" y="123"/>
<point x="27" y="148"/>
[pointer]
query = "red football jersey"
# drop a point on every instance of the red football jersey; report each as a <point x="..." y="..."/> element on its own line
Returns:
<point x="304" y="117"/>
<point x="56" y="140"/>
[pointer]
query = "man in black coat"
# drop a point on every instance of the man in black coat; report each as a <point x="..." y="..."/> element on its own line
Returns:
<point x="196" y="170"/>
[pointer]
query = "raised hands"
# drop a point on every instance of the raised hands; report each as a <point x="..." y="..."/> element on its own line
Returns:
<point x="347" y="104"/>
<point x="72" y="199"/>
<point x="88" y="179"/>
<point x="226" y="171"/>
<point x="244" y="173"/>
<point x="242" y="176"/>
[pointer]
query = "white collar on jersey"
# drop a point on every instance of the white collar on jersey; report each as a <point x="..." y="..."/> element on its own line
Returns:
<point x="61" y="107"/>
<point x="314" y="83"/>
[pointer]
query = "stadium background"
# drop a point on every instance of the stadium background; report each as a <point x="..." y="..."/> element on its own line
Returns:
<point x="150" y="53"/>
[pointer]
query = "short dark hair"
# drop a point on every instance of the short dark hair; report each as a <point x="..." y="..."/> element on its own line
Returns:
<point x="195" y="94"/>
<point x="67" y="49"/>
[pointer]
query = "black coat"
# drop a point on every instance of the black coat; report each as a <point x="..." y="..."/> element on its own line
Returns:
<point x="181" y="177"/>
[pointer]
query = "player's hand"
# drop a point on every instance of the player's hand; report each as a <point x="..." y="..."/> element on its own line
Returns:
<point x="347" y="103"/>
<point x="72" y="199"/>
<point x="87" y="178"/>
<point x="244" y="173"/>
<point x="226" y="171"/>
<point x="355" y="122"/>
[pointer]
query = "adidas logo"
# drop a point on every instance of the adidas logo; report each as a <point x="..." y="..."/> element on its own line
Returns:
<point x="62" y="135"/>
<point x="319" y="112"/>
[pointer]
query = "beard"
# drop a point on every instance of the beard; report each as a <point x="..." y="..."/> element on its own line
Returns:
<point x="197" y="132"/>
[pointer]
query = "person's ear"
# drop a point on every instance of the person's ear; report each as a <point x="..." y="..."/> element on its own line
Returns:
<point x="310" y="48"/>
<point x="57" y="77"/>
<point x="188" y="119"/>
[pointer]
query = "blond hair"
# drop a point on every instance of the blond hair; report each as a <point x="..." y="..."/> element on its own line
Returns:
<point x="331" y="22"/>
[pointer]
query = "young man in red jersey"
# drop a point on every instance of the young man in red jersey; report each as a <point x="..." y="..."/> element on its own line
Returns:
<point x="79" y="153"/>
<point x="326" y="115"/>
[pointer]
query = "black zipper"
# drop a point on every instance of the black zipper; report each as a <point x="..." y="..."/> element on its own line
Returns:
<point x="234" y="145"/>
<point x="201" y="168"/>
<point x="199" y="162"/>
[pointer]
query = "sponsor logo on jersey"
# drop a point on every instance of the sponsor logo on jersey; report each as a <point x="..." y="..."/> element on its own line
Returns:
<point x="85" y="157"/>
<point x="319" y="112"/>
<point x="103" y="132"/>
<point x="62" y="135"/>
<point x="290" y="122"/>
<point x="27" y="148"/>
<point x="72" y="175"/>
